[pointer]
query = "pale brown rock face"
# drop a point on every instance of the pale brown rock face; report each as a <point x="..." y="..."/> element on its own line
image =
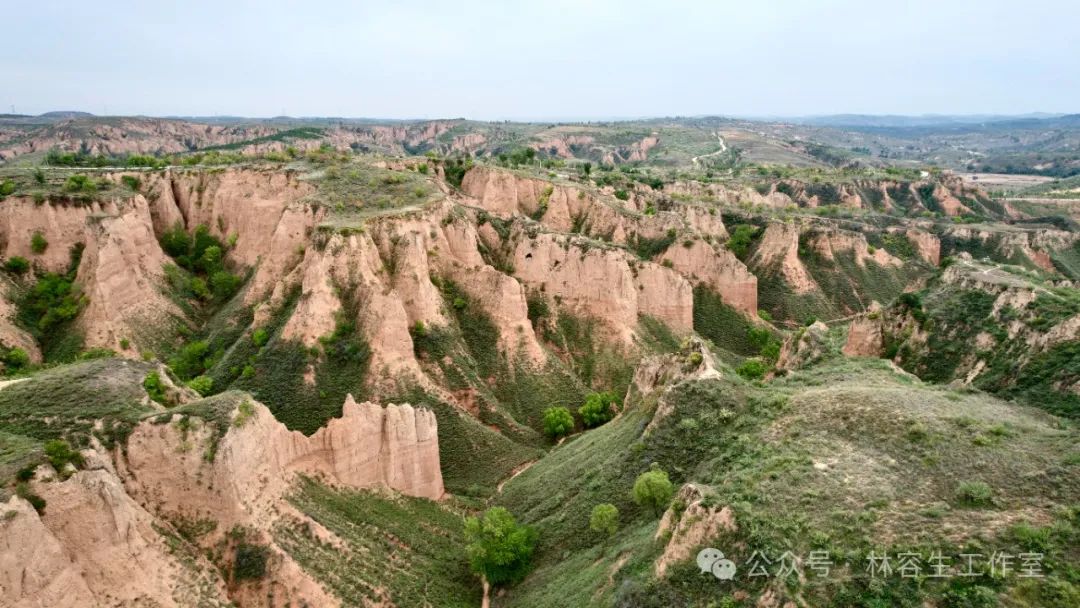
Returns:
<point x="779" y="248"/>
<point x="368" y="446"/>
<point x="927" y="245"/>
<point x="83" y="551"/>
<point x="719" y="269"/>
<point x="691" y="529"/>
<point x="61" y="224"/>
<point x="121" y="272"/>
<point x="865" y="334"/>
<point x="601" y="283"/>
<point x="97" y="530"/>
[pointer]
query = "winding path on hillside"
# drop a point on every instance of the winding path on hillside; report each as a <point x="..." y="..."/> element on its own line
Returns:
<point x="723" y="148"/>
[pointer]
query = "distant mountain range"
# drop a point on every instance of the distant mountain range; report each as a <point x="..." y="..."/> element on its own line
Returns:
<point x="926" y="120"/>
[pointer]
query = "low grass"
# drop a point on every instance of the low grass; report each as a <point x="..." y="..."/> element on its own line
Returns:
<point x="100" y="397"/>
<point x="274" y="373"/>
<point x="354" y="190"/>
<point x="785" y="306"/>
<point x="724" y="325"/>
<point x="18" y="452"/>
<point x="558" y="493"/>
<point x="851" y="287"/>
<point x="406" y="551"/>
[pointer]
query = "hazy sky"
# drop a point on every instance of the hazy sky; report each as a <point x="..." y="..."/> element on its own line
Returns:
<point x="541" y="59"/>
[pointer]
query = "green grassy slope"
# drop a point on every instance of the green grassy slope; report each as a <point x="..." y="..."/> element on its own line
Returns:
<point x="408" y="551"/>
<point x="848" y="457"/>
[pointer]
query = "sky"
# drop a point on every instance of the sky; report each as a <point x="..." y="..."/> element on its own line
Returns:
<point x="540" y="60"/>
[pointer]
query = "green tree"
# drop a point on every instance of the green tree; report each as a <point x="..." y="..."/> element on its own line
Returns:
<point x="176" y="242"/>
<point x="192" y="360"/>
<point x="604" y="520"/>
<point x="201" y="384"/>
<point x="259" y="337"/>
<point x="653" y="489"/>
<point x="210" y="260"/>
<point x="598" y="409"/>
<point x="224" y="284"/>
<point x="558" y="421"/>
<point x="499" y="549"/>
<point x="197" y="285"/>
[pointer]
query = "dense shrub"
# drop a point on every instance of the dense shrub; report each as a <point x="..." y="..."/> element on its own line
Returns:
<point x="974" y="493"/>
<point x="60" y="454"/>
<point x="259" y="337"/>
<point x="598" y="409"/>
<point x="653" y="489"/>
<point x="224" y="284"/>
<point x="192" y="360"/>
<point x="558" y="421"/>
<point x="250" y="561"/>
<point x="53" y="300"/>
<point x="752" y="369"/>
<point x="604" y="519"/>
<point x="176" y="242"/>
<point x="15" y="358"/>
<point x="17" y="265"/>
<point x="22" y="490"/>
<point x="742" y="236"/>
<point x="202" y="254"/>
<point x="155" y="388"/>
<point x="455" y="170"/>
<point x="38" y="244"/>
<point x="82" y="183"/>
<point x="201" y="384"/>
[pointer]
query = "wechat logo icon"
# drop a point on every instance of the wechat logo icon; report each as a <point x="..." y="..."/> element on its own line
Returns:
<point x="712" y="560"/>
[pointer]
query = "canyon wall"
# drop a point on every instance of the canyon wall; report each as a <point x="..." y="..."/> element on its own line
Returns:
<point x="118" y="515"/>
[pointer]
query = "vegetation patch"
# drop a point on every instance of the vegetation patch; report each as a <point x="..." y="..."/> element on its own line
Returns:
<point x="408" y="551"/>
<point x="66" y="402"/>
<point x="48" y="308"/>
<point x="725" y="326"/>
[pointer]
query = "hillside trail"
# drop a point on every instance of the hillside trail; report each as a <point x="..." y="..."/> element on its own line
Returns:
<point x="521" y="468"/>
<point x="723" y="148"/>
<point x="6" y="383"/>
